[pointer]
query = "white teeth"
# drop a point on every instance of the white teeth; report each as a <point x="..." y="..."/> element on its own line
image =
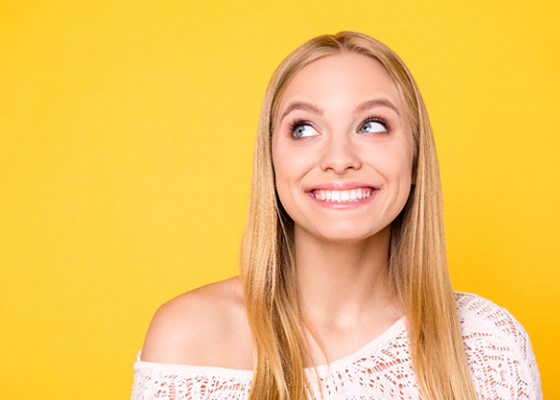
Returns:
<point x="340" y="196"/>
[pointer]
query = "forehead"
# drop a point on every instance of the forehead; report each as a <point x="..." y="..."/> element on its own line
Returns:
<point x="341" y="80"/>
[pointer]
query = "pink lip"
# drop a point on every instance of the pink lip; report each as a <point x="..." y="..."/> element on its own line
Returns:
<point x="341" y="186"/>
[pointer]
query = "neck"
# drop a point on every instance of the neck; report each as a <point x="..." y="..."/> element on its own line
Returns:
<point x="341" y="283"/>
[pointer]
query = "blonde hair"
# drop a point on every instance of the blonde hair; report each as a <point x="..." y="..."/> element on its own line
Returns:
<point x="417" y="259"/>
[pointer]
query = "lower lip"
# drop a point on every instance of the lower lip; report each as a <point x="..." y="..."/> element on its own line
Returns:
<point x="343" y="205"/>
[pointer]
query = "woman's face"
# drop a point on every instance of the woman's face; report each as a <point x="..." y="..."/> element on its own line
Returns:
<point x="341" y="149"/>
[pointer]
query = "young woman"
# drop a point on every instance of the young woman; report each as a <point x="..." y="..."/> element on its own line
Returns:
<point x="343" y="291"/>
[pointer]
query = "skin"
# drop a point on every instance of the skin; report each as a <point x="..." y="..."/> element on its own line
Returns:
<point x="341" y="249"/>
<point x="336" y="151"/>
<point x="341" y="253"/>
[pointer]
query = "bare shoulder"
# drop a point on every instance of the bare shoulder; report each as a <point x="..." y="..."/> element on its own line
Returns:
<point x="206" y="327"/>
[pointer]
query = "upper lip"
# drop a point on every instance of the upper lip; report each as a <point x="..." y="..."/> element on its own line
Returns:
<point x="340" y="186"/>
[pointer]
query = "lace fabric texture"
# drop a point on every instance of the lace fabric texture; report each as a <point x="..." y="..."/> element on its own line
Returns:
<point x="498" y="349"/>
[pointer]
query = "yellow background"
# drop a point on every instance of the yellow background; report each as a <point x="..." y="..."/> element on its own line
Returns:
<point x="126" y="136"/>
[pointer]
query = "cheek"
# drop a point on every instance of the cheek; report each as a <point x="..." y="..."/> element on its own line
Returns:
<point x="404" y="156"/>
<point x="404" y="166"/>
<point x="284" y="172"/>
<point x="290" y="164"/>
<point x="280" y="164"/>
<point x="393" y="162"/>
<point x="290" y="167"/>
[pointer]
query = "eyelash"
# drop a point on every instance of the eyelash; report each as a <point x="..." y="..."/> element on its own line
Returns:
<point x="377" y="119"/>
<point x="299" y="122"/>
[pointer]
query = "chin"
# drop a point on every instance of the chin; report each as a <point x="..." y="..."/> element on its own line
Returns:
<point x="350" y="235"/>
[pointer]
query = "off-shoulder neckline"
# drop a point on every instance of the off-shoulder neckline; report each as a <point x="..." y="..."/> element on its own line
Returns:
<point x="389" y="334"/>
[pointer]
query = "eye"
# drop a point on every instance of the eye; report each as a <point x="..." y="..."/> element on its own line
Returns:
<point x="301" y="130"/>
<point x="373" y="126"/>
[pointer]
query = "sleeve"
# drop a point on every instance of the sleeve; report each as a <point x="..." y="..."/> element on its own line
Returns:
<point x="155" y="382"/>
<point x="183" y="382"/>
<point x="142" y="388"/>
<point x="530" y="372"/>
<point x="499" y="351"/>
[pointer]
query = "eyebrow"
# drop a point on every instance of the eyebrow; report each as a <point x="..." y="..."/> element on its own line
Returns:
<point x="375" y="103"/>
<point x="367" y="105"/>
<point x="300" y="105"/>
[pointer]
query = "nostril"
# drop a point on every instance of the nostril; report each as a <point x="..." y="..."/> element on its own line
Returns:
<point x="340" y="160"/>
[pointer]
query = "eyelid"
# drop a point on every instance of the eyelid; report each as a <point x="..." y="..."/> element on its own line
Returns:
<point x="299" y="122"/>
<point x="377" y="119"/>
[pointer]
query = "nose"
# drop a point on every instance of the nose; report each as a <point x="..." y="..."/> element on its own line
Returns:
<point x="340" y="155"/>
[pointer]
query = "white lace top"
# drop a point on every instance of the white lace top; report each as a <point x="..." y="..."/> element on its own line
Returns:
<point x="500" y="356"/>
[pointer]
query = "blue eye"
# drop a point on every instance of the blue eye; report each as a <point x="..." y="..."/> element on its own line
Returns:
<point x="304" y="130"/>
<point x="373" y="127"/>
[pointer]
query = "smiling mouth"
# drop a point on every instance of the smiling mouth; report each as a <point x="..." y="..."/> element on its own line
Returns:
<point x="342" y="196"/>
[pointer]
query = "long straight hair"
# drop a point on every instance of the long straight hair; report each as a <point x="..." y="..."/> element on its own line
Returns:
<point x="417" y="258"/>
